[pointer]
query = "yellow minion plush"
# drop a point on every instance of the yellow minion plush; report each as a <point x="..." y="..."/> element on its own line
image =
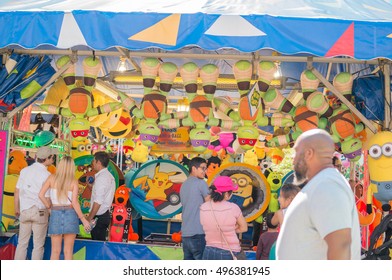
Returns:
<point x="380" y="166"/>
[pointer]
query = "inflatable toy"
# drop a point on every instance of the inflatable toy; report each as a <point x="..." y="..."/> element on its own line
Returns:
<point x="8" y="213"/>
<point x="121" y="128"/>
<point x="43" y="138"/>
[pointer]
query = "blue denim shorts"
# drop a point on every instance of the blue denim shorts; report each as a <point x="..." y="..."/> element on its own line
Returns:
<point x="63" y="221"/>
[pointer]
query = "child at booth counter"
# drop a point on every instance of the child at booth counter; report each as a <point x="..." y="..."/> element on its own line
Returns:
<point x="267" y="239"/>
<point x="287" y="194"/>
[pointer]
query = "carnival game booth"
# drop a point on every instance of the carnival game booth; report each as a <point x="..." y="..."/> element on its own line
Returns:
<point x="242" y="68"/>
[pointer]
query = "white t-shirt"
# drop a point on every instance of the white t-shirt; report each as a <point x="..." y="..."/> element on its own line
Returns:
<point x="326" y="204"/>
<point x="30" y="183"/>
<point x="103" y="190"/>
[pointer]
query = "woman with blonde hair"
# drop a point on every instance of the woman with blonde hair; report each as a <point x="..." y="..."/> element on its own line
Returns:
<point x="59" y="194"/>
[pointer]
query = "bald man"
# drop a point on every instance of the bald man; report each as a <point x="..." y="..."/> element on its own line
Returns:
<point x="321" y="222"/>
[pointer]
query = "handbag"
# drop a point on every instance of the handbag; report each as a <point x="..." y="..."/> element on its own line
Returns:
<point x="241" y="255"/>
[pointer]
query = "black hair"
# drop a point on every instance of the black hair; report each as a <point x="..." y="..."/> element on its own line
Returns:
<point x="102" y="157"/>
<point x="289" y="190"/>
<point x="335" y="160"/>
<point x="215" y="196"/>
<point x="268" y="219"/>
<point x="215" y="160"/>
<point x="196" y="162"/>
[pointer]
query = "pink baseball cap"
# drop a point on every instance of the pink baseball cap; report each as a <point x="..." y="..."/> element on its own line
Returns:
<point x="224" y="184"/>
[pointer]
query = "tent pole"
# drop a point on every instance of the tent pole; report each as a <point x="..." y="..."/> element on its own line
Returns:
<point x="386" y="69"/>
<point x="344" y="100"/>
<point x="49" y="82"/>
<point x="198" y="56"/>
<point x="125" y="53"/>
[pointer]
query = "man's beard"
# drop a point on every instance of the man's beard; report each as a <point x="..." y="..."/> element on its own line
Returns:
<point x="300" y="171"/>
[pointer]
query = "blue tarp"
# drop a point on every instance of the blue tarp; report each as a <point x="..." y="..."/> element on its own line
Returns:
<point x="361" y="29"/>
<point x="369" y="97"/>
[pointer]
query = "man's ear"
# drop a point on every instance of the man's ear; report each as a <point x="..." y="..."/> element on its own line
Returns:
<point x="309" y="153"/>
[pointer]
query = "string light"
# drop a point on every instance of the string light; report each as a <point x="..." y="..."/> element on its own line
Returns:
<point x="122" y="67"/>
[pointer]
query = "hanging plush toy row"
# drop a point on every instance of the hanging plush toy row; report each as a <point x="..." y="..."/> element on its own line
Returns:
<point x="242" y="124"/>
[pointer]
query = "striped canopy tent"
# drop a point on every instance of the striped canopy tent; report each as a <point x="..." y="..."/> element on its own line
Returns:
<point x="326" y="30"/>
<point x="359" y="29"/>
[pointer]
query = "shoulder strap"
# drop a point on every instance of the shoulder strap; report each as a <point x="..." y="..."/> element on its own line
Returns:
<point x="221" y="232"/>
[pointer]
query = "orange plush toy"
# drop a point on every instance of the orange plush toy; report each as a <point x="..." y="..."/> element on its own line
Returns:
<point x="121" y="228"/>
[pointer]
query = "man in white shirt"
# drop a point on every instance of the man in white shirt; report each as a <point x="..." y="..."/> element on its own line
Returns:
<point x="33" y="215"/>
<point x="321" y="222"/>
<point x="102" y="196"/>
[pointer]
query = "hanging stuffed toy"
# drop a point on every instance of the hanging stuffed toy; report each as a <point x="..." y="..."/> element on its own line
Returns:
<point x="80" y="102"/>
<point x="250" y="111"/>
<point x="140" y="152"/>
<point x="379" y="165"/>
<point x="200" y="107"/>
<point x="315" y="100"/>
<point x="343" y="125"/>
<point x="225" y="141"/>
<point x="153" y="107"/>
<point x="303" y="117"/>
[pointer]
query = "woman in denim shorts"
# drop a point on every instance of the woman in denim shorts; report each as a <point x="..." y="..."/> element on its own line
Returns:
<point x="60" y="195"/>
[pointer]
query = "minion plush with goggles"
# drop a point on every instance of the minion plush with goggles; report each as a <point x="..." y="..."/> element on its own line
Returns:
<point x="81" y="148"/>
<point x="380" y="166"/>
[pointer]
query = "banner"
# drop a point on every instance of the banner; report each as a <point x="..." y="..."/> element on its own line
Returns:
<point x="173" y="140"/>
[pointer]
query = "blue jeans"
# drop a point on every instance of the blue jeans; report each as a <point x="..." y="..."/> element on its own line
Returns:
<point x="193" y="246"/>
<point x="213" y="253"/>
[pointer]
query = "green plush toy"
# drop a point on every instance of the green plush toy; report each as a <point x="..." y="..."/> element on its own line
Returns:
<point x="154" y="104"/>
<point x="305" y="119"/>
<point x="250" y="112"/>
<point x="80" y="103"/>
<point x="342" y="123"/>
<point x="275" y="181"/>
<point x="200" y="115"/>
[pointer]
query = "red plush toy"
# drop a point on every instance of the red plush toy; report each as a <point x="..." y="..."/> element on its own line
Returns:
<point x="121" y="215"/>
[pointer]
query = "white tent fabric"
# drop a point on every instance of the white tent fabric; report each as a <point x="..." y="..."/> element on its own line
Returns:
<point x="360" y="29"/>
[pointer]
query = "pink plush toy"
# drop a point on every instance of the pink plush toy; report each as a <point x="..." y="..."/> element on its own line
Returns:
<point x="226" y="140"/>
